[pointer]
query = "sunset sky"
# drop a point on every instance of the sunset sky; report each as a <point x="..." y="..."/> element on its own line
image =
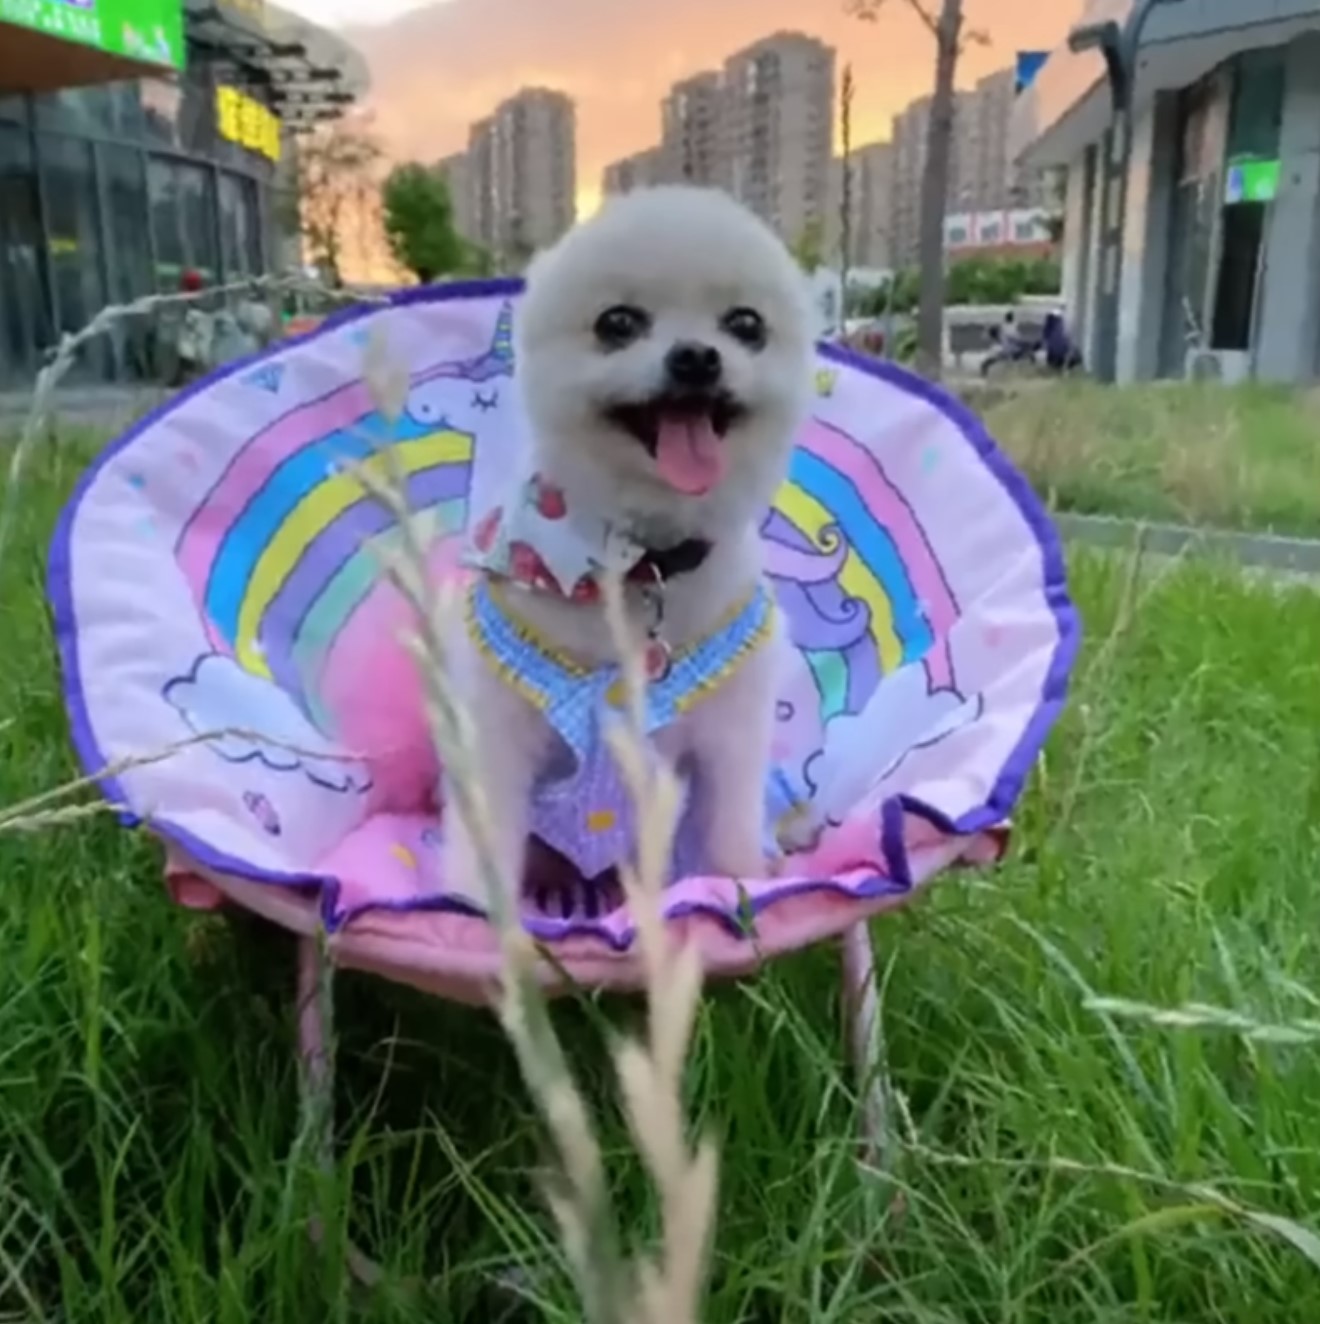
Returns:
<point x="437" y="67"/>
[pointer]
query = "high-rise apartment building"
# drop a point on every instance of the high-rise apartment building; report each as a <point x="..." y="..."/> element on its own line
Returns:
<point x="982" y="176"/>
<point x="456" y="172"/>
<point x="990" y="179"/>
<point x="870" y="207"/>
<point x="640" y="170"/>
<point x="691" y="119"/>
<point x="480" y="172"/>
<point x="981" y="133"/>
<point x="777" y="130"/>
<point x="762" y="128"/>
<point x="514" y="188"/>
<point x="911" y="132"/>
<point x="535" y="171"/>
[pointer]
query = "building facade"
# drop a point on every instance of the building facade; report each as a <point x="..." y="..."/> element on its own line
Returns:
<point x="642" y="169"/>
<point x="870" y="207"/>
<point x="777" y="131"/>
<point x="909" y="135"/>
<point x="1221" y="232"/>
<point x="983" y="177"/>
<point x="535" y="171"/>
<point x="478" y="176"/>
<point x="518" y="176"/>
<point x="761" y="128"/>
<point x="111" y="190"/>
<point x="987" y="177"/>
<point x="691" y="119"/>
<point x="456" y="172"/>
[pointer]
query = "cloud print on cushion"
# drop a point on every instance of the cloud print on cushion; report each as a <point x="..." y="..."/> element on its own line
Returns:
<point x="219" y="695"/>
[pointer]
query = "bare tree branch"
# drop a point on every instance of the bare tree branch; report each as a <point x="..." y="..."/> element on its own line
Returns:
<point x="945" y="24"/>
<point x="869" y="10"/>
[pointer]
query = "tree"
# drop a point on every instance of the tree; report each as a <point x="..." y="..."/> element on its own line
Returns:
<point x="946" y="27"/>
<point x="419" y="222"/>
<point x="335" y="174"/>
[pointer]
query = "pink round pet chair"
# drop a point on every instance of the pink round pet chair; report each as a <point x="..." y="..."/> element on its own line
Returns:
<point x="219" y="568"/>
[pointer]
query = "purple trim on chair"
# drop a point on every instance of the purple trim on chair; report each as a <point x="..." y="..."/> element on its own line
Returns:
<point x="994" y="811"/>
<point x="1054" y="692"/>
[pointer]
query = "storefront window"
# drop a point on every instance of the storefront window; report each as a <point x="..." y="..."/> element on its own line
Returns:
<point x="23" y="321"/>
<point x="182" y="221"/>
<point x="112" y="191"/>
<point x="161" y="104"/>
<point x="127" y="219"/>
<point x="84" y="111"/>
<point x="1256" y="119"/>
<point x="131" y="275"/>
<point x="1198" y="116"/>
<point x="1255" y="123"/>
<point x="73" y="237"/>
<point x="240" y="234"/>
<point x="181" y="114"/>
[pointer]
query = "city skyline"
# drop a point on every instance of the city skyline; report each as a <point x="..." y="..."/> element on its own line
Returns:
<point x="513" y="185"/>
<point x="760" y="126"/>
<point x="618" y="63"/>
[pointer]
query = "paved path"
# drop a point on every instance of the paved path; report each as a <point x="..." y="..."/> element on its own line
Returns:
<point x="113" y="407"/>
<point x="1260" y="556"/>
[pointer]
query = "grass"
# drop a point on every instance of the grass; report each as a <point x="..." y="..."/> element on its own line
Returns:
<point x="1055" y="1169"/>
<point x="1237" y="458"/>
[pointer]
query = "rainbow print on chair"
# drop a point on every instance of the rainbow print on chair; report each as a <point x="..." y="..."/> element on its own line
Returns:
<point x="219" y="586"/>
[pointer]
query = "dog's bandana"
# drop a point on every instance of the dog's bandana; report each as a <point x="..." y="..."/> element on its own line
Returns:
<point x="580" y="806"/>
<point x="534" y="541"/>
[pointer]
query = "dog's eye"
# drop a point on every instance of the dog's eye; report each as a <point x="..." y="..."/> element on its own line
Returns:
<point x="746" y="326"/>
<point x="618" y="327"/>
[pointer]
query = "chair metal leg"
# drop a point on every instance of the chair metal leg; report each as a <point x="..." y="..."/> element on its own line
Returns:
<point x="861" y="1010"/>
<point x="316" y="1052"/>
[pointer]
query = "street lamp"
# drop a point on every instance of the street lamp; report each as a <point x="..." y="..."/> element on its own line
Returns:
<point x="1119" y="45"/>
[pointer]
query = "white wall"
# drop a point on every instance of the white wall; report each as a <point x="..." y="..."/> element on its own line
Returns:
<point x="1086" y="333"/>
<point x="1146" y="240"/>
<point x="1079" y="245"/>
<point x="1288" y="344"/>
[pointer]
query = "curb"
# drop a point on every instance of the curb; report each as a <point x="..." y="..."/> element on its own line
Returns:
<point x="1268" y="551"/>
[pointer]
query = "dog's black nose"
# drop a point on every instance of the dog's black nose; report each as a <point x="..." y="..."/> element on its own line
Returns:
<point x="693" y="366"/>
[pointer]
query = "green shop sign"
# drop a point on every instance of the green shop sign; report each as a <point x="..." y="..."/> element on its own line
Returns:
<point x="149" y="30"/>
<point x="1251" y="181"/>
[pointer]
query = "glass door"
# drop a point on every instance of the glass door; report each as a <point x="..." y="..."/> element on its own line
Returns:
<point x="23" y="321"/>
<point x="73" y="243"/>
<point x="182" y="222"/>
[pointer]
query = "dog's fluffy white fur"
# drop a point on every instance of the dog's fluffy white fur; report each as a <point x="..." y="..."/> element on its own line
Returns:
<point x="686" y="257"/>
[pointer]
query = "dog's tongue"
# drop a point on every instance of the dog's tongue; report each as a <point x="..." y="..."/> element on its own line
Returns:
<point x="689" y="455"/>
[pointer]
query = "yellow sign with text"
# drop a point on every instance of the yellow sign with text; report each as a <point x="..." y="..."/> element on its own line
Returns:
<point x="245" y="121"/>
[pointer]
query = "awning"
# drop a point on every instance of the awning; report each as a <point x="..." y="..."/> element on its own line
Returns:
<point x="1067" y="108"/>
<point x="299" y="71"/>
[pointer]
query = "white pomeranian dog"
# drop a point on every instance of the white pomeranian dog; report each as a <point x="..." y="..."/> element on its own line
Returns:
<point x="665" y="358"/>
